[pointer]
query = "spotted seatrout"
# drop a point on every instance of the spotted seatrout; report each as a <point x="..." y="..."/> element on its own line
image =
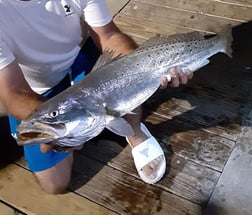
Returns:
<point x="116" y="87"/>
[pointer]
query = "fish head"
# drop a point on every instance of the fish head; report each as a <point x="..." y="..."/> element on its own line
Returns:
<point x="65" y="123"/>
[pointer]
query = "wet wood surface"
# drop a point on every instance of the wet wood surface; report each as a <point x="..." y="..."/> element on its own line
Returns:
<point x="234" y="196"/>
<point x="197" y="124"/>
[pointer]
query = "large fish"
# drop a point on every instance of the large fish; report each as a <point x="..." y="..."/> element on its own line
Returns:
<point x="115" y="88"/>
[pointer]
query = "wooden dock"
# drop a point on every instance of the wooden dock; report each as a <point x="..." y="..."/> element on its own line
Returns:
<point x="200" y="126"/>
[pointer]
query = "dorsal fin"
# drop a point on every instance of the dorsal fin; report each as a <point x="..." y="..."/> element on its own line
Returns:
<point x="105" y="58"/>
<point x="184" y="37"/>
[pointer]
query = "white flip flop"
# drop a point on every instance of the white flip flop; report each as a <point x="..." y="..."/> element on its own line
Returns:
<point x="146" y="152"/>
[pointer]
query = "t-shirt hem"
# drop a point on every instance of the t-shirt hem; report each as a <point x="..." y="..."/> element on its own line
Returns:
<point x="6" y="62"/>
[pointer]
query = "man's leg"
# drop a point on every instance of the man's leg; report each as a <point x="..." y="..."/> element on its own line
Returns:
<point x="56" y="179"/>
<point x="51" y="169"/>
<point x="151" y="169"/>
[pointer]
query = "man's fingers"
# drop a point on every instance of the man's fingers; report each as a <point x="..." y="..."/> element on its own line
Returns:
<point x="67" y="148"/>
<point x="175" y="79"/>
<point x="183" y="79"/>
<point x="164" y="82"/>
<point x="189" y="75"/>
<point x="50" y="146"/>
<point x="45" y="147"/>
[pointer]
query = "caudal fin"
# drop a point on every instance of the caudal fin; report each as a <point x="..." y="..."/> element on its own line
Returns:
<point x="226" y="39"/>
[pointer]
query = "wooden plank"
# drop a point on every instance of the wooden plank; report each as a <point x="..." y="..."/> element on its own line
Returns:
<point x="116" y="6"/>
<point x="19" y="188"/>
<point x="141" y="30"/>
<point x="6" y="210"/>
<point x="196" y="113"/>
<point x="170" y="16"/>
<point x="191" y="142"/>
<point x="210" y="8"/>
<point x="124" y="193"/>
<point x="184" y="178"/>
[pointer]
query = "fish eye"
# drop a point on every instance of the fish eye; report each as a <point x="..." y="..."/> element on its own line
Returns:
<point x="54" y="113"/>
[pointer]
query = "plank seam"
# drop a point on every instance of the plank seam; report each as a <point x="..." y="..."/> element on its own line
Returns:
<point x="119" y="11"/>
<point x="234" y="3"/>
<point x="199" y="12"/>
<point x="12" y="207"/>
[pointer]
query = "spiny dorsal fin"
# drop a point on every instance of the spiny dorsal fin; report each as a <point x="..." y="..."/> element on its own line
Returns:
<point x="184" y="37"/>
<point x="105" y="58"/>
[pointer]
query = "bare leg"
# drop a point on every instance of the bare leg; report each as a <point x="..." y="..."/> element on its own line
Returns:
<point x="56" y="179"/>
<point x="139" y="137"/>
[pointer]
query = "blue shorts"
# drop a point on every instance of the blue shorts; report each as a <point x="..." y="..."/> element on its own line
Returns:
<point x="84" y="62"/>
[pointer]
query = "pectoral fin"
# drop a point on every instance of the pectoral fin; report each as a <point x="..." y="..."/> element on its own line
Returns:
<point x="120" y="127"/>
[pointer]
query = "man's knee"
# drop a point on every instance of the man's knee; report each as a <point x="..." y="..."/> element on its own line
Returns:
<point x="53" y="186"/>
<point x="56" y="179"/>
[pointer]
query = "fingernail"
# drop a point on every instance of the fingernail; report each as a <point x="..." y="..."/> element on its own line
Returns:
<point x="168" y="77"/>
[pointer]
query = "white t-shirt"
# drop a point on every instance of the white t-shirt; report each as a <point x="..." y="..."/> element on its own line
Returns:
<point x="44" y="36"/>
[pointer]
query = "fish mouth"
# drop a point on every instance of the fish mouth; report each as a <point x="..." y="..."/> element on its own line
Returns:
<point x="38" y="132"/>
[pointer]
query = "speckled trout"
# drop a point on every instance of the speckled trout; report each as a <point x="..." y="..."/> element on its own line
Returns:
<point x="116" y="87"/>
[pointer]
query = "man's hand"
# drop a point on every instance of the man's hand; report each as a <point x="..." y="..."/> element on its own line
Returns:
<point x="177" y="77"/>
<point x="50" y="146"/>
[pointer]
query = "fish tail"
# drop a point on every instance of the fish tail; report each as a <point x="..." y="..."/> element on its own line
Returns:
<point x="226" y="39"/>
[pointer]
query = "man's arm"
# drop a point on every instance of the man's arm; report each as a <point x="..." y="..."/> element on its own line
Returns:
<point x="15" y="93"/>
<point x="109" y="37"/>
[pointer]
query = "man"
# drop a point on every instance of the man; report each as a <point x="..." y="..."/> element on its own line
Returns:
<point x="39" y="48"/>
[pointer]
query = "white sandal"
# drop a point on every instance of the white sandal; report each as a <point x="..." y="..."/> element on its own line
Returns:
<point x="146" y="152"/>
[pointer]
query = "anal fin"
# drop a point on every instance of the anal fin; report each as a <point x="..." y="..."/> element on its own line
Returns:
<point x="195" y="66"/>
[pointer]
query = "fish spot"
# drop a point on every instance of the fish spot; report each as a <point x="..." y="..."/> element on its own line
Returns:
<point x="192" y="17"/>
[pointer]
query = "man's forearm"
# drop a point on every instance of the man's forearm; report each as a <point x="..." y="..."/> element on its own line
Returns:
<point x="21" y="105"/>
<point x="120" y="43"/>
<point x="109" y="37"/>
